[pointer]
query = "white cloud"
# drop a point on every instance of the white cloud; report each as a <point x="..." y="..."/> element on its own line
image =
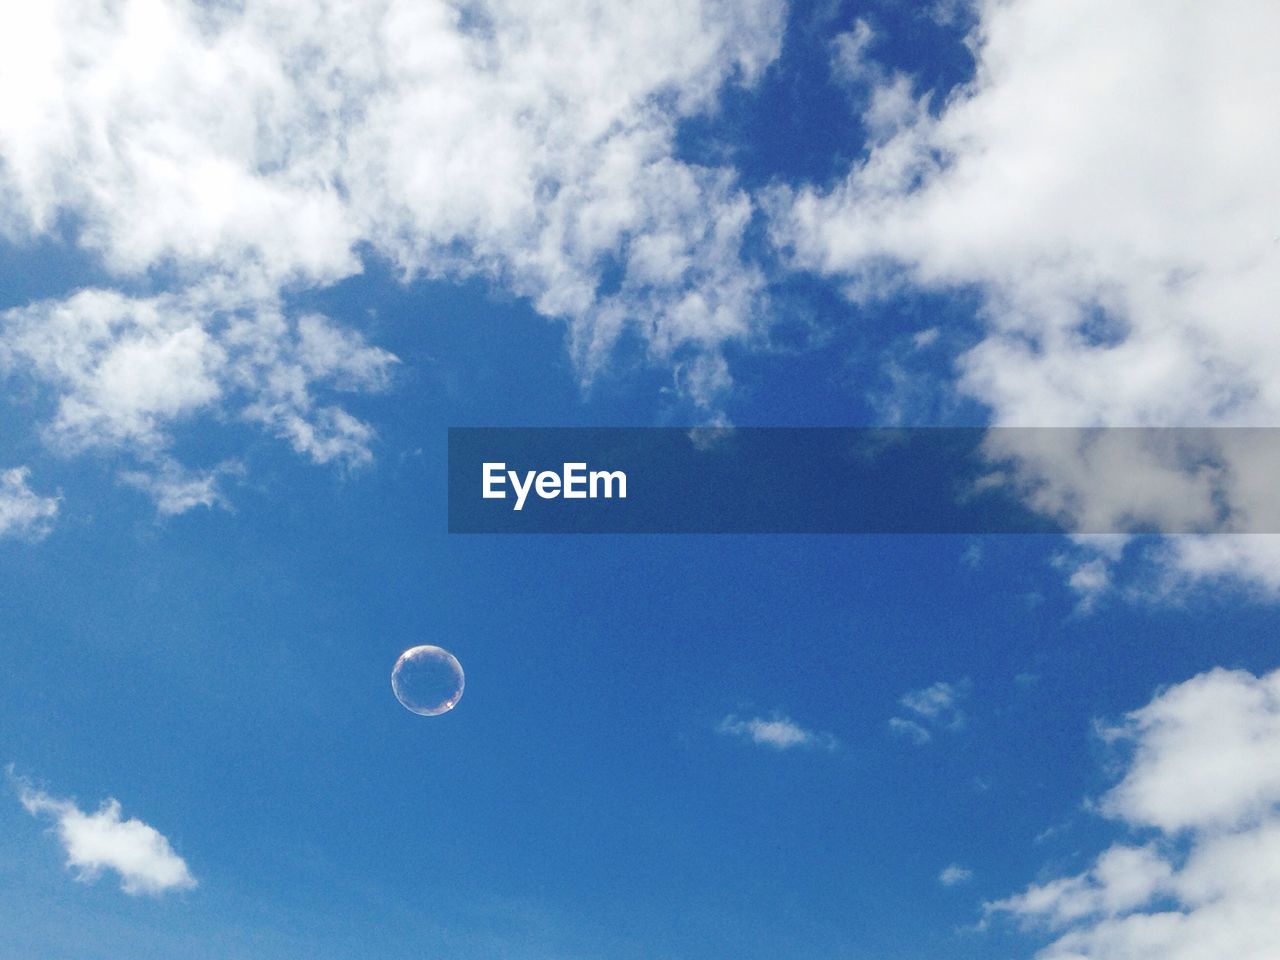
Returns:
<point x="1105" y="183"/>
<point x="888" y="98"/>
<point x="122" y="366"/>
<point x="175" y="489"/>
<point x="1089" y="579"/>
<point x="23" y="512"/>
<point x="936" y="707"/>
<point x="938" y="702"/>
<point x="246" y="149"/>
<point x="778" y="732"/>
<point x="126" y="370"/>
<point x="1253" y="559"/>
<point x="1205" y="754"/>
<point x="925" y="338"/>
<point x="933" y="706"/>
<point x="138" y="853"/>
<point x="954" y="875"/>
<point x="913" y="731"/>
<point x="1204" y="779"/>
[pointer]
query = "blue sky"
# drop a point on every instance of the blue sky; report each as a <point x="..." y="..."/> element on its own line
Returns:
<point x="244" y="292"/>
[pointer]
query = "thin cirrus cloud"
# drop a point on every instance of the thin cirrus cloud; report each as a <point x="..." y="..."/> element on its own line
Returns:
<point x="245" y="150"/>
<point x="1202" y="781"/>
<point x="777" y="732"/>
<point x="136" y="852"/>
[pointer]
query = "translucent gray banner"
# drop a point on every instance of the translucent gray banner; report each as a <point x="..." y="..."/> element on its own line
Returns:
<point x="864" y="480"/>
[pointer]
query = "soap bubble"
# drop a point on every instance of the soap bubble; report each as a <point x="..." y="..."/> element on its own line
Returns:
<point x="427" y="680"/>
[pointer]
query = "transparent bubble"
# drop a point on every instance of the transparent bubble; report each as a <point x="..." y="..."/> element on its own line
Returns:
<point x="427" y="680"/>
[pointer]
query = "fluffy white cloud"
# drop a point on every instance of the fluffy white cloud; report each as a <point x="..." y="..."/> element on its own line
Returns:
<point x="777" y="732"/>
<point x="1204" y="779"/>
<point x="1205" y="755"/>
<point x="241" y="149"/>
<point x="1254" y="559"/>
<point x="126" y="370"/>
<point x="1105" y="183"/>
<point x="23" y="512"/>
<point x="138" y="853"/>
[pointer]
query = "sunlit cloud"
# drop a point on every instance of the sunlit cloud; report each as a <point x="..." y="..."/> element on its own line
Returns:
<point x="212" y="160"/>
<point x="1202" y="781"/>
<point x="1103" y="183"/>
<point x="137" y="853"/>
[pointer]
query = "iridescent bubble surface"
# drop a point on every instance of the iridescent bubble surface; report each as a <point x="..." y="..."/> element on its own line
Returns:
<point x="427" y="680"/>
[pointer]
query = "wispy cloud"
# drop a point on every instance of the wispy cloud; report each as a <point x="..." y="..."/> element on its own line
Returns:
<point x="939" y="702"/>
<point x="1089" y="578"/>
<point x="175" y="489"/>
<point x="141" y="856"/>
<point x="911" y="730"/>
<point x="23" y="512"/>
<point x="954" y="875"/>
<point x="777" y="732"/>
<point x="935" y="707"/>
